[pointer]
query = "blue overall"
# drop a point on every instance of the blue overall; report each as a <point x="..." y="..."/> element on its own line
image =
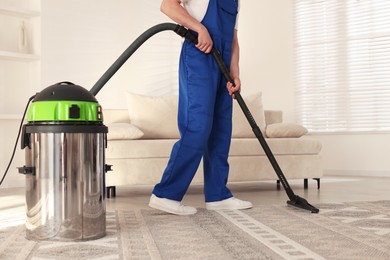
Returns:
<point x="205" y="112"/>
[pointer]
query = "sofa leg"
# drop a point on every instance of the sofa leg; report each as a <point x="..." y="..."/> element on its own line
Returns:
<point x="278" y="184"/>
<point x="318" y="183"/>
<point x="305" y="184"/>
<point x="111" y="191"/>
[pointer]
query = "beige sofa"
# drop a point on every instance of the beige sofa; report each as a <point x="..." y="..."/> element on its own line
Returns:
<point x="141" y="137"/>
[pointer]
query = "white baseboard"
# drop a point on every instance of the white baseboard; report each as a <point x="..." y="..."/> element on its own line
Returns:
<point x="363" y="173"/>
<point x="327" y="172"/>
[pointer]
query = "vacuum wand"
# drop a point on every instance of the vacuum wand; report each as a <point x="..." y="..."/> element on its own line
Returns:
<point x="295" y="200"/>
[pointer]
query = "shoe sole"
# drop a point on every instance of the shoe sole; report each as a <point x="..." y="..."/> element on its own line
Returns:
<point x="159" y="207"/>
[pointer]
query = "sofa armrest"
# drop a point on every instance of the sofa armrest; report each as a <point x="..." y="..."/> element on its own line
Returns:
<point x="273" y="116"/>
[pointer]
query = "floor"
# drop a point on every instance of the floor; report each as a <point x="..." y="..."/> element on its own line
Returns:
<point x="333" y="190"/>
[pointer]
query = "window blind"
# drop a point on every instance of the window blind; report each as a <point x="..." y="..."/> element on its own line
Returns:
<point x="342" y="61"/>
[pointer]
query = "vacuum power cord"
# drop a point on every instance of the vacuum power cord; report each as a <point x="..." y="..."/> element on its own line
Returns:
<point x="17" y="138"/>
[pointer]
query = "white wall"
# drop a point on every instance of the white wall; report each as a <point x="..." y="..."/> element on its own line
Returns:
<point x="356" y="154"/>
<point x="266" y="44"/>
<point x="21" y="4"/>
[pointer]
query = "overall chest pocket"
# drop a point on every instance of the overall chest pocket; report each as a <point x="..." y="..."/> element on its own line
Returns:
<point x="229" y="6"/>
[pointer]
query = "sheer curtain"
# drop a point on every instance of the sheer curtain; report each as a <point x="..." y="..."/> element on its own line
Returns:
<point x="342" y="60"/>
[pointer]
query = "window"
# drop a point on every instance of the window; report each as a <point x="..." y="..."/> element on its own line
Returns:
<point x="342" y="50"/>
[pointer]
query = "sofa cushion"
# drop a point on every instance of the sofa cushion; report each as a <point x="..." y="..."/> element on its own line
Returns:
<point x="278" y="146"/>
<point x="241" y="127"/>
<point x="155" y="116"/>
<point x="116" y="116"/>
<point x="283" y="130"/>
<point x="139" y="149"/>
<point x="123" y="131"/>
<point x="143" y="148"/>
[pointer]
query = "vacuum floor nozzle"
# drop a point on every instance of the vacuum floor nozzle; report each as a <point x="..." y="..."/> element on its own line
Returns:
<point x="302" y="204"/>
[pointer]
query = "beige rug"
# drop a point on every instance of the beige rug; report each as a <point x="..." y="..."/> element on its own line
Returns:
<point x="358" y="230"/>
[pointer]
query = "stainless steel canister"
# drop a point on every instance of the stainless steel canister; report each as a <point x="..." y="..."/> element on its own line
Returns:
<point x="65" y="182"/>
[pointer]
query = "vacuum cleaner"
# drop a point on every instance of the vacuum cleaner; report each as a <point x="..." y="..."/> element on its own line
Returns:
<point x="64" y="142"/>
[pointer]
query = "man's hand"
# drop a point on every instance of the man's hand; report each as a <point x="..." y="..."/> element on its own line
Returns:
<point x="231" y="88"/>
<point x="205" y="43"/>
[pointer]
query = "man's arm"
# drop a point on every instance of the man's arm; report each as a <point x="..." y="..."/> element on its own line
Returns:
<point x="174" y="10"/>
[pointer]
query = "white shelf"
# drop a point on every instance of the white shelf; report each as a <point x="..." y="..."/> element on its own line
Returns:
<point x="19" y="12"/>
<point x="16" y="56"/>
<point x="27" y="65"/>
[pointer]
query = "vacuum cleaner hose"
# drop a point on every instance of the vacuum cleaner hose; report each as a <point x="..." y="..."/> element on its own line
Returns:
<point x="180" y="30"/>
<point x="129" y="51"/>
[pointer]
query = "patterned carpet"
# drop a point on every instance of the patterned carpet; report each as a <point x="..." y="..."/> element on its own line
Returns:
<point x="359" y="230"/>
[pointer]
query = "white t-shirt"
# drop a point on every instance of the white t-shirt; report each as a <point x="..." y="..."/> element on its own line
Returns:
<point x="198" y="9"/>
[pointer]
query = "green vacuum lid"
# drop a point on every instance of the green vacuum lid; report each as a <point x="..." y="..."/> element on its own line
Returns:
<point x="63" y="102"/>
<point x="65" y="91"/>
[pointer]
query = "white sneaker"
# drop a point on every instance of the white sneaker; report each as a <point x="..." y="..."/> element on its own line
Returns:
<point x="230" y="203"/>
<point x="170" y="206"/>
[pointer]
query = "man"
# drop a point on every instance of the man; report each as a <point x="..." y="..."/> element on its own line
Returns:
<point x="205" y="107"/>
